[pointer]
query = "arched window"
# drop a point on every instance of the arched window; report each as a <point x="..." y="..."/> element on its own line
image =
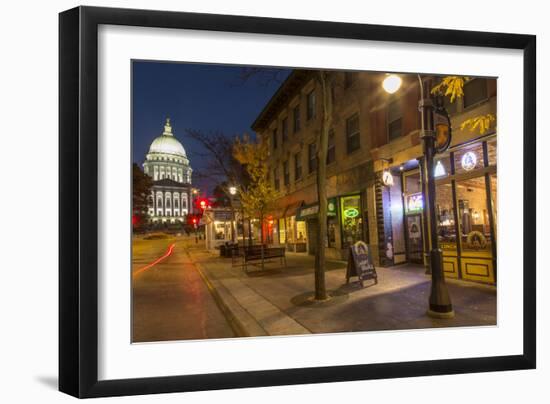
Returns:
<point x="184" y="201"/>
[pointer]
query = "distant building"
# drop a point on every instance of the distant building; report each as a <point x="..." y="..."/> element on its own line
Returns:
<point x="374" y="185"/>
<point x="167" y="164"/>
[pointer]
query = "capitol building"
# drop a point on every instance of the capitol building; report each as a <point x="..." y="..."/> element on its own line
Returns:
<point x="167" y="164"/>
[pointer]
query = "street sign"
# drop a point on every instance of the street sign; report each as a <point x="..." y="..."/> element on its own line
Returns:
<point x="360" y="263"/>
<point x="310" y="211"/>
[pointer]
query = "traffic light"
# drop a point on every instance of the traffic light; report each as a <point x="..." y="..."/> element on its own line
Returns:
<point x="202" y="203"/>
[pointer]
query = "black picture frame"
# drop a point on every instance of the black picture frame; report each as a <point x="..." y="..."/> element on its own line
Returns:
<point x="78" y="196"/>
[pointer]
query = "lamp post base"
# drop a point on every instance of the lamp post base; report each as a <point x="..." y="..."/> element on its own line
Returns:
<point x="437" y="314"/>
<point x="440" y="301"/>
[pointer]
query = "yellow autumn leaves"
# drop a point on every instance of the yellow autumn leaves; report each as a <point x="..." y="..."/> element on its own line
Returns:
<point x="259" y="193"/>
<point x="453" y="87"/>
<point x="482" y="122"/>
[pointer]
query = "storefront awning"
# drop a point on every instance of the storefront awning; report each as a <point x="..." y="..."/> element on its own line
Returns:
<point x="311" y="210"/>
<point x="286" y="211"/>
<point x="292" y="209"/>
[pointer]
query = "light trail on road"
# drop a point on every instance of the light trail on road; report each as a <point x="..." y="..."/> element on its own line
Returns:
<point x="155" y="262"/>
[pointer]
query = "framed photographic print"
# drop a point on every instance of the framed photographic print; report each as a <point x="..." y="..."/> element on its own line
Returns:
<point x="251" y="201"/>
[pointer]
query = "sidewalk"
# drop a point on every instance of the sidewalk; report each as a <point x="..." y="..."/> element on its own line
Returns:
<point x="277" y="301"/>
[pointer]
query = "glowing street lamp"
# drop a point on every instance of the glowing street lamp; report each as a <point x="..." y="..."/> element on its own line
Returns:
<point x="440" y="305"/>
<point x="392" y="83"/>
<point x="233" y="190"/>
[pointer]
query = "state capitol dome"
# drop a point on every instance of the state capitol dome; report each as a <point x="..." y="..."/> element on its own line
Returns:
<point x="166" y="159"/>
<point x="167" y="143"/>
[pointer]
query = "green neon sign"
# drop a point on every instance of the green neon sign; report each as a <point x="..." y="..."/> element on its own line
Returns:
<point x="351" y="212"/>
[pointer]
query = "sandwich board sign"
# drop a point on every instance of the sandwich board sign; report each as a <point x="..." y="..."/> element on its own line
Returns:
<point x="360" y="263"/>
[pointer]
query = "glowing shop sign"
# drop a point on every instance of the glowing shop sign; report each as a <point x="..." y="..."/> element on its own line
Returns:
<point x="351" y="212"/>
<point x="439" y="170"/>
<point x="415" y="203"/>
<point x="469" y="161"/>
<point x="387" y="178"/>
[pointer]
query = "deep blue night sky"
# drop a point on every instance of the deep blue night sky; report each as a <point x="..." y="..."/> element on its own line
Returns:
<point x="194" y="96"/>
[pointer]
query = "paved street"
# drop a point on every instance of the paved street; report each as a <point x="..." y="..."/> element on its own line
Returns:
<point x="170" y="299"/>
<point x="181" y="291"/>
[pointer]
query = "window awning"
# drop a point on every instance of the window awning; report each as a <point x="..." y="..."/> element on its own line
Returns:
<point x="286" y="211"/>
<point x="311" y="210"/>
<point x="292" y="209"/>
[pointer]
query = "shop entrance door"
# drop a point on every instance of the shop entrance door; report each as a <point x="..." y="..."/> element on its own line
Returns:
<point x="415" y="242"/>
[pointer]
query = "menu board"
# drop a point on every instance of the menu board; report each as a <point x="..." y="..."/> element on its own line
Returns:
<point x="360" y="263"/>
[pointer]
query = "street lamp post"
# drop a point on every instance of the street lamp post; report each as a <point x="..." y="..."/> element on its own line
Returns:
<point x="233" y="192"/>
<point x="440" y="305"/>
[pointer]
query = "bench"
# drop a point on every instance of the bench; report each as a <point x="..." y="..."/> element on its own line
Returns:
<point x="236" y="251"/>
<point x="262" y="253"/>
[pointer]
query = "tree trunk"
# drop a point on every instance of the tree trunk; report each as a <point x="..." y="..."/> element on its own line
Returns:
<point x="261" y="228"/>
<point x="249" y="232"/>
<point x="320" y="286"/>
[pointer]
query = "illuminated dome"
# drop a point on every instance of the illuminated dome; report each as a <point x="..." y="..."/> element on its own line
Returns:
<point x="166" y="159"/>
<point x="167" y="143"/>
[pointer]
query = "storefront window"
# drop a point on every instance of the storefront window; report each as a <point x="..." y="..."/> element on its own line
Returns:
<point x="282" y="231"/>
<point x="475" y="232"/>
<point x="445" y="217"/>
<point x="442" y="167"/>
<point x="352" y="224"/>
<point x="290" y="229"/>
<point x="469" y="159"/>
<point x="301" y="232"/>
<point x="222" y="230"/>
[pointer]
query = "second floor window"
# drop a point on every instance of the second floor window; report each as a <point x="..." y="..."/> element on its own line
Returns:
<point x="395" y="120"/>
<point x="353" y="138"/>
<point x="297" y="166"/>
<point x="276" y="178"/>
<point x="286" y="173"/>
<point x="311" y="105"/>
<point x="296" y="116"/>
<point x="331" y="149"/>
<point x="274" y="139"/>
<point x="284" y="129"/>
<point x="475" y="91"/>
<point x="312" y="157"/>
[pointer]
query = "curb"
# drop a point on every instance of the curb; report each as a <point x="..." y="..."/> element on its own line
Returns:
<point x="231" y="309"/>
